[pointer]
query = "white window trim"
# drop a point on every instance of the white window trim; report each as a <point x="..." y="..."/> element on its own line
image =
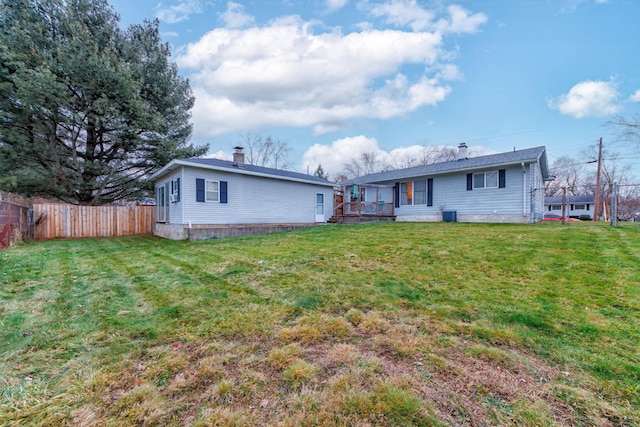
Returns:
<point x="404" y="184"/>
<point x="484" y="180"/>
<point x="413" y="193"/>
<point x="426" y="192"/>
<point x="206" y="191"/>
<point x="174" y="188"/>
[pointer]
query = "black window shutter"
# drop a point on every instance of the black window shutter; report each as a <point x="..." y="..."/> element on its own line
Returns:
<point x="223" y="191"/>
<point x="199" y="190"/>
<point x="397" y="197"/>
<point x="502" y="178"/>
<point x="469" y="181"/>
<point x="178" y="189"/>
<point x="587" y="206"/>
<point x="430" y="192"/>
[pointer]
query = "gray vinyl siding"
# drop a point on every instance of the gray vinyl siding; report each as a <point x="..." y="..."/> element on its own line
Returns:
<point x="252" y="200"/>
<point x="450" y="193"/>
<point x="537" y="189"/>
<point x="175" y="209"/>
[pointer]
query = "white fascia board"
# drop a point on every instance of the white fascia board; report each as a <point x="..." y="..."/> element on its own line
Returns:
<point x="175" y="163"/>
<point x="172" y="165"/>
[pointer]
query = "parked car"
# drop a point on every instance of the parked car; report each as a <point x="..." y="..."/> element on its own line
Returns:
<point x="554" y="217"/>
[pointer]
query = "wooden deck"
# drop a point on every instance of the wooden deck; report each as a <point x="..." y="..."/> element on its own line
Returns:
<point x="357" y="212"/>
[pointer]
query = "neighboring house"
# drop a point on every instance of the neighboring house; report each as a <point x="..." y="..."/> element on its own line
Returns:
<point x="575" y="206"/>
<point x="505" y="187"/>
<point x="202" y="198"/>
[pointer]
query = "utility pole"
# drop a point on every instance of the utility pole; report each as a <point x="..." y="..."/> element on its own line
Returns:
<point x="596" y="208"/>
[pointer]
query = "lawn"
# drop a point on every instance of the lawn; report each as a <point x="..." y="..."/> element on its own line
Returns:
<point x="442" y="324"/>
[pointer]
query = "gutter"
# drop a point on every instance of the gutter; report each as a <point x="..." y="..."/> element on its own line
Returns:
<point x="175" y="163"/>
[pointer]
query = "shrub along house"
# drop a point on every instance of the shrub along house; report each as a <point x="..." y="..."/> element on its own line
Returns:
<point x="204" y="198"/>
<point x="505" y="187"/>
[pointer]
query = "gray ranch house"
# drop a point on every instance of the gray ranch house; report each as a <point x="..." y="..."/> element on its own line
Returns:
<point x="506" y="187"/>
<point x="204" y="198"/>
<point x="575" y="206"/>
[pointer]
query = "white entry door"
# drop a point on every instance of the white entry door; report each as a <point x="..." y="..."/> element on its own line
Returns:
<point x="319" y="207"/>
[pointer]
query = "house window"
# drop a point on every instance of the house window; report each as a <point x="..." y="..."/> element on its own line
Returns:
<point x="420" y="192"/>
<point x="492" y="179"/>
<point x="406" y="193"/>
<point x="175" y="190"/>
<point x="556" y="207"/>
<point x="358" y="193"/>
<point x="416" y="192"/>
<point x="212" y="191"/>
<point x="579" y="207"/>
<point x="485" y="180"/>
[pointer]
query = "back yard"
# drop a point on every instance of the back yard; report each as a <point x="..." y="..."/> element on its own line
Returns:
<point x="380" y="324"/>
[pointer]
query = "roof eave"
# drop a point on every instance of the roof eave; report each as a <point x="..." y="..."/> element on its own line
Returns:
<point x="175" y="163"/>
<point x="463" y="169"/>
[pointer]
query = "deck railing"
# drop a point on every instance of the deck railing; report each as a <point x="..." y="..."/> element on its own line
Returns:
<point x="368" y="209"/>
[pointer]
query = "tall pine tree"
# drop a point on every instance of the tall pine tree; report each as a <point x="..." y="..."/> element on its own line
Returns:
<point x="87" y="110"/>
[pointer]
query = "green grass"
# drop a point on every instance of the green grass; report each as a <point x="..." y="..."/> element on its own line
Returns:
<point x="377" y="324"/>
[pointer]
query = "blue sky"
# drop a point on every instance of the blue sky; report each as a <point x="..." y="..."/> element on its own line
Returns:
<point x="336" y="78"/>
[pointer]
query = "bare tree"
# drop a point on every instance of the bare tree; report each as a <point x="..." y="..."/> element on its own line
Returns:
<point x="371" y="162"/>
<point x="613" y="170"/>
<point x="426" y="156"/>
<point x="628" y="129"/>
<point x="628" y="202"/>
<point x="365" y="164"/>
<point x="570" y="174"/>
<point x="266" y="151"/>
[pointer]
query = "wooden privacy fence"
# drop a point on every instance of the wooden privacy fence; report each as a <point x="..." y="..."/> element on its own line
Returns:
<point x="71" y="221"/>
<point x="16" y="223"/>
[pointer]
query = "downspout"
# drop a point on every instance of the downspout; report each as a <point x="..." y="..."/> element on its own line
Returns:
<point x="524" y="190"/>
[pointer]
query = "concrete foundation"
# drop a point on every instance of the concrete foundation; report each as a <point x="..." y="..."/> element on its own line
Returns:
<point x="213" y="231"/>
<point x="493" y="218"/>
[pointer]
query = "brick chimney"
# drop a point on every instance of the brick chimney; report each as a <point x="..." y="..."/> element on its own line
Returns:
<point x="238" y="157"/>
<point x="462" y="151"/>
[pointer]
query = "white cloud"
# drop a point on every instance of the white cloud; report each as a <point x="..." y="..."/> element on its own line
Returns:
<point x="588" y="99"/>
<point x="635" y="97"/>
<point x="178" y="12"/>
<point x="235" y="17"/>
<point x="570" y="6"/>
<point x="334" y="5"/>
<point x="285" y="74"/>
<point x="461" y="21"/>
<point x="219" y="155"/>
<point x="334" y="156"/>
<point x="408" y="13"/>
